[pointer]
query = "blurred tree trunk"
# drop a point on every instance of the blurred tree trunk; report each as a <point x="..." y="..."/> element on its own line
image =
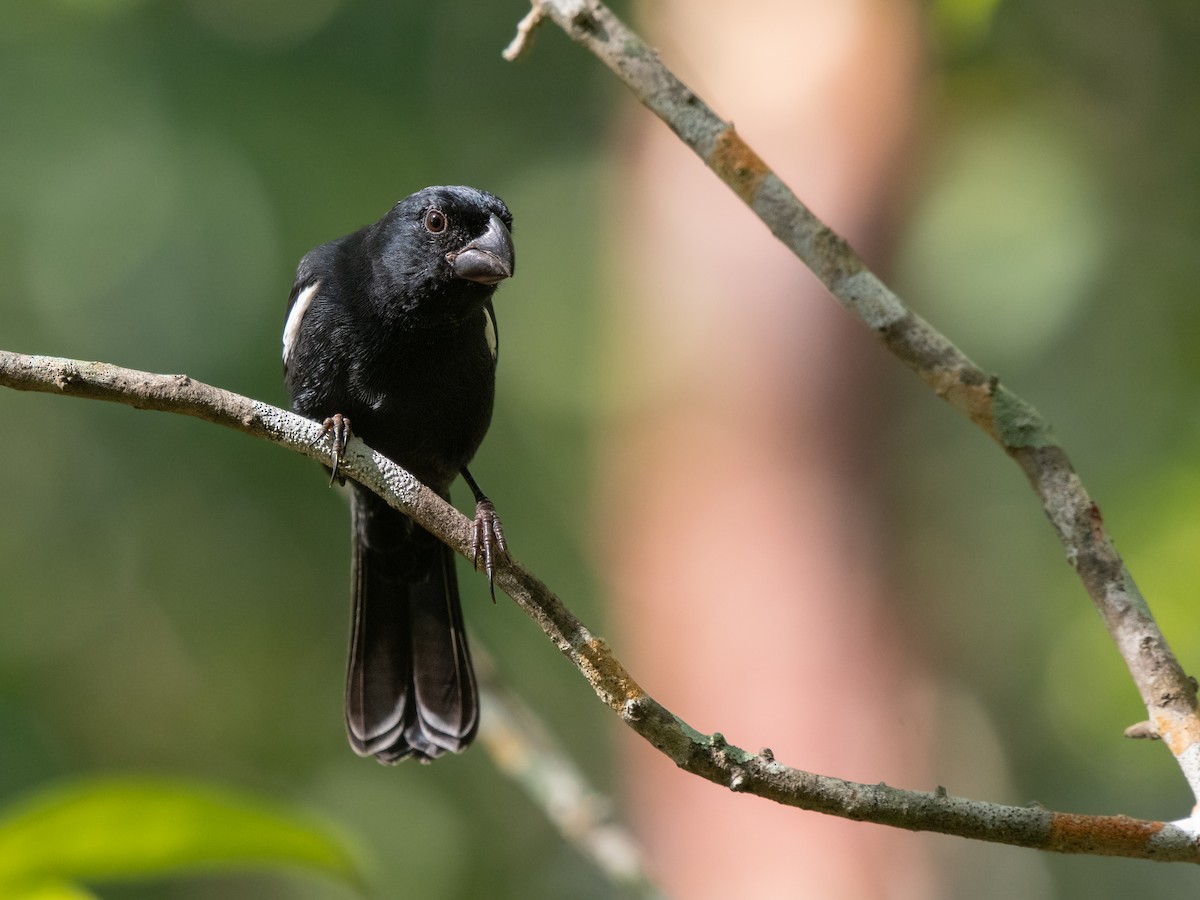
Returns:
<point x="740" y="487"/>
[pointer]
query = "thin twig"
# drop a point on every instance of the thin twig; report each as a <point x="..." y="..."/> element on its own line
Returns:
<point x="528" y="754"/>
<point x="708" y="756"/>
<point x="524" y="37"/>
<point x="1169" y="695"/>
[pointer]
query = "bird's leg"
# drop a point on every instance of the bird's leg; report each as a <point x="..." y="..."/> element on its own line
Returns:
<point x="339" y="426"/>
<point x="487" y="535"/>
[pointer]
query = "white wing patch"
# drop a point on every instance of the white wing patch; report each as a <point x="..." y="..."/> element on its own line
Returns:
<point x="489" y="331"/>
<point x="291" y="330"/>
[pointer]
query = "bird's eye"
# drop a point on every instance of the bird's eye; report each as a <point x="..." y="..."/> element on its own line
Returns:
<point x="436" y="221"/>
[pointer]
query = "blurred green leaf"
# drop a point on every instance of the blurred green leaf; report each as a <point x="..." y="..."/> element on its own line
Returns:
<point x="48" y="890"/>
<point x="1008" y="243"/>
<point x="962" y="23"/>
<point x="124" y="828"/>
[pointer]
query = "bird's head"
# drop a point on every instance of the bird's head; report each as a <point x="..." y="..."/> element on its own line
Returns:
<point x="443" y="250"/>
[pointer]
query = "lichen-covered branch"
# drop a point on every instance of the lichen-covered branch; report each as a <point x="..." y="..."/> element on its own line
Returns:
<point x="1169" y="695"/>
<point x="708" y="756"/>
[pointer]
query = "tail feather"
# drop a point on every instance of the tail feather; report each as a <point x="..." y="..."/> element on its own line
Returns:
<point x="410" y="688"/>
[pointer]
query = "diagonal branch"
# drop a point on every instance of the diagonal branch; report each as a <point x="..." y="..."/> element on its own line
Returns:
<point x="1169" y="695"/>
<point x="708" y="756"/>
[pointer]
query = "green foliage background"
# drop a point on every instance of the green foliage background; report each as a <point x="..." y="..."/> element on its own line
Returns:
<point x="174" y="599"/>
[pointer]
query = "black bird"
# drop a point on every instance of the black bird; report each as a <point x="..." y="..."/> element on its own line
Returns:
<point x="390" y="330"/>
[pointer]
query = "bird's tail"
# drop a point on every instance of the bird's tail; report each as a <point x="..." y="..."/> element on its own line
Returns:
<point x="410" y="688"/>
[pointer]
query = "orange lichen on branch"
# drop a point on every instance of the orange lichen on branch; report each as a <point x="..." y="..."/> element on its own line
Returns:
<point x="968" y="394"/>
<point x="961" y="388"/>
<point x="737" y="164"/>
<point x="606" y="675"/>
<point x="1179" y="732"/>
<point x="1107" y="835"/>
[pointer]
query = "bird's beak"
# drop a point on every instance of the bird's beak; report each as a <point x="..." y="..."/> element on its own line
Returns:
<point x="488" y="259"/>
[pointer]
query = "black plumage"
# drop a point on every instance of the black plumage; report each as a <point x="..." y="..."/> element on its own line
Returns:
<point x="391" y="333"/>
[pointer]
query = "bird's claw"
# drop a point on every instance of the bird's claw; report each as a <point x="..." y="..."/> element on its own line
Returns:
<point x="487" y="541"/>
<point x="339" y="426"/>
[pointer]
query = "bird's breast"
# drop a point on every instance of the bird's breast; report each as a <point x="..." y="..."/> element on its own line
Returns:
<point x="427" y="404"/>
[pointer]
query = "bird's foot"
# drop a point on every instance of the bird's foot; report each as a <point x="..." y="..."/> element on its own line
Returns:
<point x="339" y="426"/>
<point x="487" y="541"/>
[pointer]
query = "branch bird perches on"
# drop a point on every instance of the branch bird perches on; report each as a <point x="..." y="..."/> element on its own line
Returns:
<point x="706" y="755"/>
